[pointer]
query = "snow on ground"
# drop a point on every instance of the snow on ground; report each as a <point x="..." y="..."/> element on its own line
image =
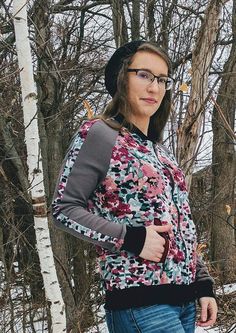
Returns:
<point x="13" y="316"/>
<point x="103" y="329"/>
<point x="209" y="330"/>
<point x="227" y="289"/>
<point x="215" y="330"/>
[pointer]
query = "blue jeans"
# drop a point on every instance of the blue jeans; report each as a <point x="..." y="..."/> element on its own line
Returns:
<point x="153" y="319"/>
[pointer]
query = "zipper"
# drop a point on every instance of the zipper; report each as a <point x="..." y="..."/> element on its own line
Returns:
<point x="172" y="184"/>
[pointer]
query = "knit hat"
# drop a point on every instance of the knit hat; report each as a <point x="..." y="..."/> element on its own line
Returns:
<point x="114" y="64"/>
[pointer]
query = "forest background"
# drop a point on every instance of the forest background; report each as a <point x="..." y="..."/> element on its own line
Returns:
<point x="70" y="42"/>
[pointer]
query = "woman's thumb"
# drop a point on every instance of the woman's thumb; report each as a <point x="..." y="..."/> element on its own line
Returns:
<point x="162" y="228"/>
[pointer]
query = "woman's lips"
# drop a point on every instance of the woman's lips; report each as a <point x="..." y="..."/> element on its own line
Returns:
<point x="149" y="100"/>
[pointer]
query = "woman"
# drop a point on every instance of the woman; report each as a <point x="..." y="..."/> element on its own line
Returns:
<point x="120" y="189"/>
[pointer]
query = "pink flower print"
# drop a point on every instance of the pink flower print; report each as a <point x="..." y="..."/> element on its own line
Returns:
<point x="186" y="207"/>
<point x="179" y="256"/>
<point x="130" y="176"/>
<point x="101" y="254"/>
<point x="143" y="149"/>
<point x="124" y="151"/>
<point x="116" y="154"/>
<point x="117" y="280"/>
<point x="128" y="139"/>
<point x="61" y="189"/>
<point x="182" y="186"/>
<point x="121" y="154"/>
<point x="110" y="184"/>
<point x="113" y="201"/>
<point x="147" y="282"/>
<point x="192" y="268"/>
<point x="164" y="278"/>
<point x="148" y="171"/>
<point x="101" y="197"/>
<point x="173" y="210"/>
<point x="131" y="141"/>
<point x="85" y="127"/>
<point x="178" y="175"/>
<point x="132" y="270"/>
<point x="179" y="179"/>
<point x="119" y="243"/>
<point x="178" y="279"/>
<point x="141" y="184"/>
<point x="153" y="191"/>
<point x="108" y="286"/>
<point x="123" y="209"/>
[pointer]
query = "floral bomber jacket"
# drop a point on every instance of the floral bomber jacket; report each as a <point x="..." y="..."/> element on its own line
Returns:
<point x="113" y="183"/>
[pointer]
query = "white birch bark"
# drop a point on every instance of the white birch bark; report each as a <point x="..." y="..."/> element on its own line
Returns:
<point x="35" y="171"/>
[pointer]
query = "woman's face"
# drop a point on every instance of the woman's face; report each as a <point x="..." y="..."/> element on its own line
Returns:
<point x="145" y="97"/>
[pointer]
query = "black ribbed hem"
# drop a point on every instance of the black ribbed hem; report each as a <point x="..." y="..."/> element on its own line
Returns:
<point x="205" y="289"/>
<point x="162" y="294"/>
<point x="134" y="239"/>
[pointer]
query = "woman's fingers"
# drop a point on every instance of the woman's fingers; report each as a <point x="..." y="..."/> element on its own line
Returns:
<point x="154" y="244"/>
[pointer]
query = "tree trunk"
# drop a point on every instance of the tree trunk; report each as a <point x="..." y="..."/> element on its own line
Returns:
<point x="163" y="38"/>
<point x="224" y="170"/>
<point x="188" y="135"/>
<point x="84" y="262"/>
<point x="119" y="23"/>
<point x="35" y="171"/>
<point x="150" y="20"/>
<point x="135" y="21"/>
<point x="50" y="90"/>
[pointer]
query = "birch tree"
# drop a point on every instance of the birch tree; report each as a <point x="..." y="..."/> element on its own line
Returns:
<point x="35" y="171"/>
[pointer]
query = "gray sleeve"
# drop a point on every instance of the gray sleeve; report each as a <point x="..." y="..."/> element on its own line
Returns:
<point x="84" y="168"/>
<point x="204" y="282"/>
<point x="202" y="273"/>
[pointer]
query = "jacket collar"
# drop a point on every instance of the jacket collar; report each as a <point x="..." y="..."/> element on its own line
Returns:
<point x="133" y="129"/>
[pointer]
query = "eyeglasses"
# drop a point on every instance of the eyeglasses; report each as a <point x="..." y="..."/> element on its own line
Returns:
<point x="148" y="77"/>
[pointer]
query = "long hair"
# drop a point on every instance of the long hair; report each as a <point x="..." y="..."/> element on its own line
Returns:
<point x="120" y="104"/>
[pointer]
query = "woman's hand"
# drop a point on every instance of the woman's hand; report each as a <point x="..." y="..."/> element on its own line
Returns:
<point x="154" y="243"/>
<point x="208" y="311"/>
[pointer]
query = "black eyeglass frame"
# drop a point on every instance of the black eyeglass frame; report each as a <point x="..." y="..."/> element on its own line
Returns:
<point x="157" y="77"/>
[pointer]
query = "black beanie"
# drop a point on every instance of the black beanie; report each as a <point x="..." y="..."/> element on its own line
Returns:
<point x="114" y="64"/>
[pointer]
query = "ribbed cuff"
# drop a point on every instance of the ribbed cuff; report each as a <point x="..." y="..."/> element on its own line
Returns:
<point x="134" y="239"/>
<point x="205" y="289"/>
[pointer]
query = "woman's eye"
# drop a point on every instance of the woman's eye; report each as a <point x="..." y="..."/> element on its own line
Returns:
<point x="162" y="80"/>
<point x="143" y="75"/>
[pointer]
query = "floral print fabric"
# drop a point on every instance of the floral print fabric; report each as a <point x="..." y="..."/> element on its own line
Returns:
<point x="143" y="186"/>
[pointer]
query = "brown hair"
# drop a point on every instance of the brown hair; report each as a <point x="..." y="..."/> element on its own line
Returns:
<point x="120" y="105"/>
